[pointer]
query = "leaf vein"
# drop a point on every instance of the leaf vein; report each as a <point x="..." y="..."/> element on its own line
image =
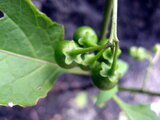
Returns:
<point x="27" y="37"/>
<point x="23" y="77"/>
<point x="29" y="58"/>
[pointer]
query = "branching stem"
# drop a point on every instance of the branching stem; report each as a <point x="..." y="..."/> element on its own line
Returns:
<point x="84" y="50"/>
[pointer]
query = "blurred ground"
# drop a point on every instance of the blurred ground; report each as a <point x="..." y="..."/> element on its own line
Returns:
<point x="138" y="24"/>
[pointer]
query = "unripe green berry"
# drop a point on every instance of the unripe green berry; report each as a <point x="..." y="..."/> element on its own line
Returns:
<point x="85" y="36"/>
<point x="156" y="48"/>
<point x="60" y="56"/>
<point x="103" y="83"/>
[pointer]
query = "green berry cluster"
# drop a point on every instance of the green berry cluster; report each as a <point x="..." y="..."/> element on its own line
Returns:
<point x="85" y="51"/>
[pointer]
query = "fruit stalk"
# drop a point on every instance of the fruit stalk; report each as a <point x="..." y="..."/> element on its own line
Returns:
<point x="84" y="50"/>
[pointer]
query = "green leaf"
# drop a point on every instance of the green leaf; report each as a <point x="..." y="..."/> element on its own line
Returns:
<point x="122" y="67"/>
<point x="105" y="96"/>
<point x="23" y="80"/>
<point x="136" y="112"/>
<point x="27" y="66"/>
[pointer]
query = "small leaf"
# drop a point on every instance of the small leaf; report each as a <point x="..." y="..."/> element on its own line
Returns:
<point x="136" y="112"/>
<point x="122" y="67"/>
<point x="105" y="96"/>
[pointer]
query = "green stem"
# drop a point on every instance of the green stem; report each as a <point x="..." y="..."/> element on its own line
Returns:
<point x="114" y="63"/>
<point x="106" y="19"/>
<point x="118" y="101"/>
<point x="113" y="36"/>
<point x="98" y="55"/>
<point x="84" y="50"/>
<point x="91" y="44"/>
<point x="135" y="90"/>
<point x="146" y="76"/>
<point x="77" y="71"/>
<point x="147" y="73"/>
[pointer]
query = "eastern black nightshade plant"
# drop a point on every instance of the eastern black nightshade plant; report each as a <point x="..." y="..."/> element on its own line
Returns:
<point x="33" y="53"/>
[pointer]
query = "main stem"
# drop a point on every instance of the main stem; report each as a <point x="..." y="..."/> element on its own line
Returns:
<point x="113" y="36"/>
<point x="106" y="19"/>
<point x="114" y="63"/>
<point x="135" y="90"/>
